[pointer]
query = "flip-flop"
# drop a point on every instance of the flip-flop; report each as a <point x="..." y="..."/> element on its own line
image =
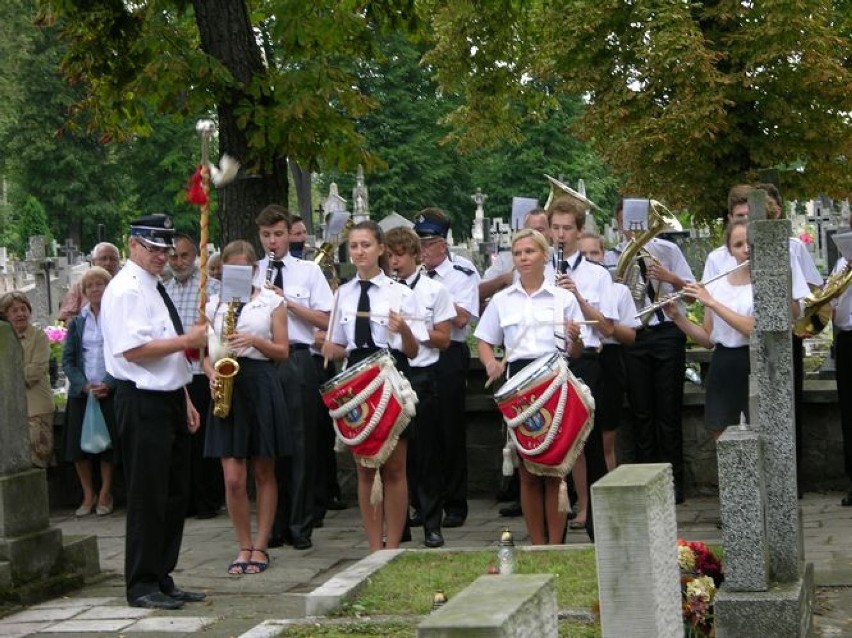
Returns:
<point x="259" y="566"/>
<point x="238" y="567"/>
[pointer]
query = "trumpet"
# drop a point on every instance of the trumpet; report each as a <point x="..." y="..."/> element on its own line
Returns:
<point x="658" y="305"/>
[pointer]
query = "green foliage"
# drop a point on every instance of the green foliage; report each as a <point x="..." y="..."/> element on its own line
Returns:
<point x="684" y="99"/>
<point x="32" y="222"/>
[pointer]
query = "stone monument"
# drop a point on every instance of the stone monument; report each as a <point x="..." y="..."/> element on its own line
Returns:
<point x="758" y="601"/>
<point x="360" y="198"/>
<point x="636" y="552"/>
<point x="477" y="232"/>
<point x="32" y="556"/>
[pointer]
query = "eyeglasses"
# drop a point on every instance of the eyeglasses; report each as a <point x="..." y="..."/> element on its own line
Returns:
<point x="157" y="250"/>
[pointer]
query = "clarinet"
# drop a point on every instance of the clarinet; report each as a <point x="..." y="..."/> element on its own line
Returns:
<point x="395" y="275"/>
<point x="561" y="264"/>
<point x="270" y="269"/>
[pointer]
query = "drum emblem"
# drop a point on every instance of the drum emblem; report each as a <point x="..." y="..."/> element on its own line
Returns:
<point x="355" y="418"/>
<point x="538" y="423"/>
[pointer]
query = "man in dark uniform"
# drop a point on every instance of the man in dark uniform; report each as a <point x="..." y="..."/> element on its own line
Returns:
<point x="462" y="282"/>
<point x="144" y="345"/>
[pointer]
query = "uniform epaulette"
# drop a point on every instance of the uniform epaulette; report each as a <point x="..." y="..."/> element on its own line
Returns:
<point x="466" y="271"/>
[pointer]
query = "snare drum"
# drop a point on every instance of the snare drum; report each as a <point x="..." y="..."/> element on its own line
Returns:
<point x="549" y="413"/>
<point x="370" y="405"/>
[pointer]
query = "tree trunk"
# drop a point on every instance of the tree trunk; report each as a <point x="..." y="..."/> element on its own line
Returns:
<point x="302" y="180"/>
<point x="226" y="34"/>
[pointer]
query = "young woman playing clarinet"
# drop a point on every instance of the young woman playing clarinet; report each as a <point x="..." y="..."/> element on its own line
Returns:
<point x="371" y="313"/>
<point x="521" y="317"/>
<point x="257" y="426"/>
<point x="728" y="322"/>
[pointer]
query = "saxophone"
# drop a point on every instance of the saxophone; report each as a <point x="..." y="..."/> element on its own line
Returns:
<point x="226" y="367"/>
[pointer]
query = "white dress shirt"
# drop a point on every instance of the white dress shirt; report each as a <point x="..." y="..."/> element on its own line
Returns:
<point x="626" y="310"/>
<point x="595" y="286"/>
<point x="437" y="306"/>
<point x="462" y="283"/>
<point x="528" y="324"/>
<point x="133" y="314"/>
<point x="385" y="295"/>
<point x="304" y="284"/>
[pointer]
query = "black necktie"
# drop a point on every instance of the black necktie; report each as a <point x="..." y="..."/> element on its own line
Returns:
<point x="278" y="282"/>
<point x="363" y="334"/>
<point x="431" y="273"/>
<point x="170" y="306"/>
<point x="649" y="289"/>
<point x="414" y="281"/>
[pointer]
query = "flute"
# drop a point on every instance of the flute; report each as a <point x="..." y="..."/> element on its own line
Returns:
<point x="680" y="293"/>
<point x="270" y="269"/>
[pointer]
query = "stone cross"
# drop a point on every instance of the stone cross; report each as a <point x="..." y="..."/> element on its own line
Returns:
<point x="360" y="198"/>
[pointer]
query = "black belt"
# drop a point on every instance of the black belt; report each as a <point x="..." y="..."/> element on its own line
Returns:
<point x="458" y="344"/>
<point x="298" y="346"/>
<point x="659" y="326"/>
<point x="131" y="385"/>
<point x="589" y="353"/>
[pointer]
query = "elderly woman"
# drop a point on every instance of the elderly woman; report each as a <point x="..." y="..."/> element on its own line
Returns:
<point x="18" y="310"/>
<point x="83" y="363"/>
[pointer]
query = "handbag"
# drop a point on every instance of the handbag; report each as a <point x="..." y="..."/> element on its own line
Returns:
<point x="95" y="437"/>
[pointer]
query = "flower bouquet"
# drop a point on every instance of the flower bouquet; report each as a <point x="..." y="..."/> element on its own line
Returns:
<point x="701" y="575"/>
<point x="56" y="340"/>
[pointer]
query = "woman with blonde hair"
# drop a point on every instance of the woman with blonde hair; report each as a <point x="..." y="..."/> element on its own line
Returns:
<point x="505" y="321"/>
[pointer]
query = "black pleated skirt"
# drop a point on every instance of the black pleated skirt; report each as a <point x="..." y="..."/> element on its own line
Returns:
<point x="726" y="385"/>
<point x="258" y="424"/>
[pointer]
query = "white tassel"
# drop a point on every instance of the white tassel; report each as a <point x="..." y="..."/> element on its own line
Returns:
<point x="339" y="445"/>
<point x="508" y="459"/>
<point x="225" y="172"/>
<point x="377" y="491"/>
<point x="562" y="503"/>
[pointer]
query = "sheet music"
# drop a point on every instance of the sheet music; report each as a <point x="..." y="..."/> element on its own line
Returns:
<point x="236" y="283"/>
<point x="635" y="215"/>
<point x="843" y="241"/>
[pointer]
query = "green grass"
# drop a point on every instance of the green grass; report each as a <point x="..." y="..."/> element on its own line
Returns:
<point x="407" y="585"/>
<point x="407" y="630"/>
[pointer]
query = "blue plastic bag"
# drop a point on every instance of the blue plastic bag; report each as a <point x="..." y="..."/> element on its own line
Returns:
<point x="95" y="436"/>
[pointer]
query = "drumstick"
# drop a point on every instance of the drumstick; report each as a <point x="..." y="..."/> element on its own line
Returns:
<point x="331" y="317"/>
<point x="509" y="353"/>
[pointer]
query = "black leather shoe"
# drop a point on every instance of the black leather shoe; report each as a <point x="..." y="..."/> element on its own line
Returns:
<point x="318" y="523"/>
<point x="846" y="501"/>
<point x="406" y="535"/>
<point x="334" y="503"/>
<point x="280" y="541"/>
<point x="434" y="539"/>
<point x="156" y="600"/>
<point x="186" y="596"/>
<point x="203" y="516"/>
<point x="453" y="520"/>
<point x="302" y="543"/>
<point x="511" y="511"/>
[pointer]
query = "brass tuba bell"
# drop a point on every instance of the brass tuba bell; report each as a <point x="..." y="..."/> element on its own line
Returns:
<point x="226" y="366"/>
<point x="558" y="189"/>
<point x="817" y="312"/>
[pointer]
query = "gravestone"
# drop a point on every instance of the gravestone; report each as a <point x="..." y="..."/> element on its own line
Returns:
<point x="636" y="552"/>
<point x="30" y="550"/>
<point x="782" y="607"/>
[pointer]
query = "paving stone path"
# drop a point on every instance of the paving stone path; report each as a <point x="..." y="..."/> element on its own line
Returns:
<point x="239" y="605"/>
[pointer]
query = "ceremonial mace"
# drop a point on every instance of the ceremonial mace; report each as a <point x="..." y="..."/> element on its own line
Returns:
<point x="205" y="129"/>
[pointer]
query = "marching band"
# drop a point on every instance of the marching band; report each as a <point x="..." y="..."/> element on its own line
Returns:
<point x="573" y="346"/>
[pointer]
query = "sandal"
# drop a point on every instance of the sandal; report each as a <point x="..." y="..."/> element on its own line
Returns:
<point x="238" y="567"/>
<point x="258" y="566"/>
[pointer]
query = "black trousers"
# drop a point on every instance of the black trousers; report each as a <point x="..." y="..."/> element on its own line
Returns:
<point x="207" y="485"/>
<point x="656" y="365"/>
<point x="155" y="445"/>
<point x="325" y="475"/>
<point x="424" y="448"/>
<point x="588" y="369"/>
<point x="294" y="517"/>
<point x="452" y="378"/>
<point x="843" y="376"/>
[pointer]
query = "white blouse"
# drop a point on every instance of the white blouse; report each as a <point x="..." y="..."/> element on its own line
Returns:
<point x="737" y="298"/>
<point x="255" y="318"/>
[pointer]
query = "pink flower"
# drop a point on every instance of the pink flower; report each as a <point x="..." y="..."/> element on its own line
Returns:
<point x="806" y="238"/>
<point x="56" y="334"/>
